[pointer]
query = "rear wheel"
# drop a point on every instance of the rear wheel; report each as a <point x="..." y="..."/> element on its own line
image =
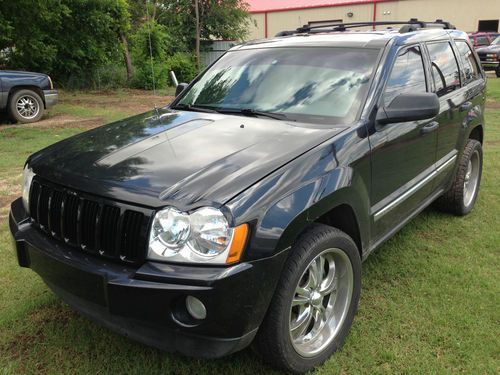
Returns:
<point x="461" y="197"/>
<point x="25" y="106"/>
<point x="315" y="301"/>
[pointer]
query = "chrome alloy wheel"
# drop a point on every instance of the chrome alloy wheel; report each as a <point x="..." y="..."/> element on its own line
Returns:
<point x="27" y="107"/>
<point x="471" y="179"/>
<point x="320" y="302"/>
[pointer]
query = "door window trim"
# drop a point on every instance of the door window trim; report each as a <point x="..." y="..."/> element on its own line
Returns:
<point x="462" y="68"/>
<point x="397" y="54"/>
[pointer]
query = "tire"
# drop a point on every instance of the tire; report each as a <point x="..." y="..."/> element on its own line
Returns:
<point x="274" y="340"/>
<point x="461" y="197"/>
<point x="498" y="72"/>
<point x="25" y="106"/>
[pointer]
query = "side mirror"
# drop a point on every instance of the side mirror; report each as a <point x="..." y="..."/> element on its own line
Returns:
<point x="180" y="88"/>
<point x="409" y="107"/>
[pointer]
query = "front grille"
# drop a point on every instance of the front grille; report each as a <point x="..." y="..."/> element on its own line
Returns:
<point x="92" y="224"/>
<point x="483" y="56"/>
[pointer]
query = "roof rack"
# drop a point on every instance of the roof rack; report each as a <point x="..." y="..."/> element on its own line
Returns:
<point x="408" y="26"/>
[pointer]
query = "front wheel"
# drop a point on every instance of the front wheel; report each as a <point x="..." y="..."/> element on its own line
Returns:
<point x="314" y="303"/>
<point x="25" y="106"/>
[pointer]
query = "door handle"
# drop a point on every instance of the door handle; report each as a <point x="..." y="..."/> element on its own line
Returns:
<point x="465" y="106"/>
<point x="430" y="127"/>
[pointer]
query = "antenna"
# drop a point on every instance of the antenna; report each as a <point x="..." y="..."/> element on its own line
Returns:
<point x="150" y="48"/>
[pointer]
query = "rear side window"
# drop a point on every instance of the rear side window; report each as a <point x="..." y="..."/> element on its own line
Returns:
<point x="407" y="75"/>
<point x="471" y="70"/>
<point x="444" y="68"/>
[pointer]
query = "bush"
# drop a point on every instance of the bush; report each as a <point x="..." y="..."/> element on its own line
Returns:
<point x="160" y="44"/>
<point x="143" y="77"/>
<point x="184" y="66"/>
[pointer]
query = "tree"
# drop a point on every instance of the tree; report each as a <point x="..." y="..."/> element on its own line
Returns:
<point x="197" y="32"/>
<point x="68" y="39"/>
<point x="218" y="19"/>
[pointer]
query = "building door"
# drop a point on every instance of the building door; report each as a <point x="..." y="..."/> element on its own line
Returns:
<point x="488" y="25"/>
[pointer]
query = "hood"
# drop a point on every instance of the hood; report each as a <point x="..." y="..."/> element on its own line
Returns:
<point x="488" y="49"/>
<point x="21" y="73"/>
<point x="176" y="157"/>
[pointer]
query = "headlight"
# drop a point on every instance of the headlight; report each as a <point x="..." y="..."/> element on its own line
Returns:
<point x="27" y="178"/>
<point x="204" y="236"/>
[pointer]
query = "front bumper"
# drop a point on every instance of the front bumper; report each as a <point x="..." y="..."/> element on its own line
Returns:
<point x="490" y="65"/>
<point x="148" y="303"/>
<point x="51" y="97"/>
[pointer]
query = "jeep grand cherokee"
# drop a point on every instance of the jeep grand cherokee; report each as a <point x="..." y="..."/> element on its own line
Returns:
<point x="242" y="211"/>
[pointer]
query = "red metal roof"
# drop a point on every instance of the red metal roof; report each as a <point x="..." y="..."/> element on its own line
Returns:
<point x="261" y="6"/>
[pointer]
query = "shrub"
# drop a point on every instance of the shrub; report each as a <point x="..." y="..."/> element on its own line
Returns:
<point x="184" y="66"/>
<point x="142" y="56"/>
<point x="143" y="77"/>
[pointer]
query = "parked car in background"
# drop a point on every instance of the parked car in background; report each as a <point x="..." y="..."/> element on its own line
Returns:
<point x="481" y="39"/>
<point x="243" y="209"/>
<point x="25" y="95"/>
<point x="490" y="56"/>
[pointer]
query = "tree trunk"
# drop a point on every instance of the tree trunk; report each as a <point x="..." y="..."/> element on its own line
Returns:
<point x="126" y="55"/>
<point x="197" y="13"/>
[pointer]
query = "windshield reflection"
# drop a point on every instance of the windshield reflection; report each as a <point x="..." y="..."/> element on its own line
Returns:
<point x="321" y="85"/>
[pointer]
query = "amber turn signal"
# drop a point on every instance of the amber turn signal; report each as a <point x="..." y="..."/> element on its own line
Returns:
<point x="238" y="244"/>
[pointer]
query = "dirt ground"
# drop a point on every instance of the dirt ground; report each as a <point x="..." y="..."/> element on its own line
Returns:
<point x="87" y="110"/>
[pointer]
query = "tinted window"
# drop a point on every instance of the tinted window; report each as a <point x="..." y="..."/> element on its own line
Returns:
<point x="444" y="68"/>
<point x="321" y="85"/>
<point x="407" y="75"/>
<point x="471" y="70"/>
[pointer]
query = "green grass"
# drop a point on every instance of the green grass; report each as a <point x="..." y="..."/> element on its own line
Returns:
<point x="103" y="105"/>
<point x="429" y="303"/>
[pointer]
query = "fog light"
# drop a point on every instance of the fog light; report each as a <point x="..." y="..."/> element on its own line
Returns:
<point x="196" y="308"/>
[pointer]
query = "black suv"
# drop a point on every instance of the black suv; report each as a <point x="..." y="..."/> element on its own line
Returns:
<point x="242" y="211"/>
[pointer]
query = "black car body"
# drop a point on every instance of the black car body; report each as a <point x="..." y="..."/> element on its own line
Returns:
<point x="19" y="89"/>
<point x="490" y="56"/>
<point x="94" y="196"/>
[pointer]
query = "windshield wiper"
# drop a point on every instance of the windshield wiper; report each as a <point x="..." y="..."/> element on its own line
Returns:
<point x="254" y="112"/>
<point x="189" y="107"/>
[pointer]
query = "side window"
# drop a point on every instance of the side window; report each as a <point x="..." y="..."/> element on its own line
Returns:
<point x="444" y="68"/>
<point x="471" y="69"/>
<point x="482" y="41"/>
<point x="407" y="75"/>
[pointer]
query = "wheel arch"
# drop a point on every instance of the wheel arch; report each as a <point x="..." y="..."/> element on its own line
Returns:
<point x="477" y="133"/>
<point x="34" y="88"/>
<point x="343" y="217"/>
<point x="342" y="209"/>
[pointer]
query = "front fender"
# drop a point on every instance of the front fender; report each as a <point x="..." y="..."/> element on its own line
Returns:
<point x="282" y="205"/>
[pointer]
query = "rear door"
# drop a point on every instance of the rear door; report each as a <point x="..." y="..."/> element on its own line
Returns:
<point x="466" y="109"/>
<point x="446" y="83"/>
<point x="403" y="154"/>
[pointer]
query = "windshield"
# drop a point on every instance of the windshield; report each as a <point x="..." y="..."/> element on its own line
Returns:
<point x="496" y="41"/>
<point x="320" y="85"/>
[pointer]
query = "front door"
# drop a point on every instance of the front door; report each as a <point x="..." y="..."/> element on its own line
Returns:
<point x="403" y="154"/>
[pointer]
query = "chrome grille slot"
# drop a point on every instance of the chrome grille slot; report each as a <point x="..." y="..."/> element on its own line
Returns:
<point x="89" y="223"/>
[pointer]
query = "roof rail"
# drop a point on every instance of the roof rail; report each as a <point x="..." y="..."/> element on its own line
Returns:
<point x="408" y="26"/>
